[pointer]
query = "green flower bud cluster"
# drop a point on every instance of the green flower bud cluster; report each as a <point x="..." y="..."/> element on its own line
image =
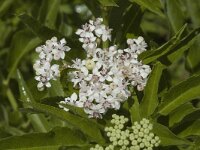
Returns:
<point x="97" y="147"/>
<point x="117" y="136"/>
<point x="141" y="136"/>
<point x="138" y="137"/>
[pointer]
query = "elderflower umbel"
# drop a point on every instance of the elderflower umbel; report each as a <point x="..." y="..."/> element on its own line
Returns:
<point x="104" y="76"/>
<point x="138" y="137"/>
<point x="45" y="69"/>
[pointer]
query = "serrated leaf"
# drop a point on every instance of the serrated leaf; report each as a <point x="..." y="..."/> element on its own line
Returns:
<point x="192" y="130"/>
<point x="38" y="121"/>
<point x="180" y="94"/>
<point x="108" y="3"/>
<point x="150" y="99"/>
<point x="167" y="137"/>
<point x="87" y="126"/>
<point x="151" y="5"/>
<point x="179" y="113"/>
<point x="52" y="140"/>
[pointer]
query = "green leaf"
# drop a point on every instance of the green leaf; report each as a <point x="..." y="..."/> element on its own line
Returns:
<point x="179" y="113"/>
<point x="185" y="44"/>
<point x="75" y="110"/>
<point x="56" y="89"/>
<point x="150" y="99"/>
<point x="49" y="12"/>
<point x="54" y="101"/>
<point x="164" y="48"/>
<point x="22" y="43"/>
<point x="193" y="129"/>
<point x="167" y="137"/>
<point x="151" y="5"/>
<point x="45" y="33"/>
<point x="193" y="10"/>
<point x="38" y="29"/>
<point x="87" y="126"/>
<point x="180" y="94"/>
<point x="51" y="140"/>
<point x="193" y="61"/>
<point x="131" y="22"/>
<point x="38" y="121"/>
<point x="66" y="83"/>
<point x="4" y="6"/>
<point x="192" y="57"/>
<point x="108" y="3"/>
<point x="173" y="12"/>
<point x="94" y="7"/>
<point x="171" y="49"/>
<point x="190" y="118"/>
<point x="135" y="110"/>
<point x="116" y="15"/>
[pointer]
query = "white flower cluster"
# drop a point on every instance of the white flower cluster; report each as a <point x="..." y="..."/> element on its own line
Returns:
<point x="104" y="76"/>
<point x="138" y="137"/>
<point x="45" y="70"/>
<point x="91" y="31"/>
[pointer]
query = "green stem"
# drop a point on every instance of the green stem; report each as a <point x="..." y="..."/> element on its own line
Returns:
<point x="11" y="99"/>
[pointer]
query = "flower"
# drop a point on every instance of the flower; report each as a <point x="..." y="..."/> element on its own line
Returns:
<point x="90" y="32"/>
<point x="104" y="76"/>
<point x="45" y="70"/>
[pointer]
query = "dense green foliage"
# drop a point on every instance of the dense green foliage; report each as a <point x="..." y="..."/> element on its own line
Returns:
<point x="30" y="119"/>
